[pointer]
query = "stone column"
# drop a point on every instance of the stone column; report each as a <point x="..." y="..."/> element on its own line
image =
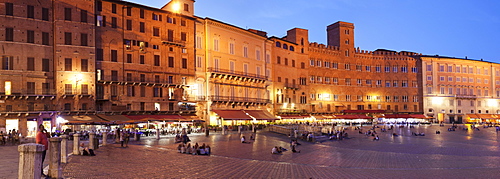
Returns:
<point x="76" y="144"/>
<point x="104" y="138"/>
<point x="92" y="143"/>
<point x="64" y="149"/>
<point x="136" y="135"/>
<point x="157" y="134"/>
<point x="30" y="160"/>
<point x="55" y="158"/>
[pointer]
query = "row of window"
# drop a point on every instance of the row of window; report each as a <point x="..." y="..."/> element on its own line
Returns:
<point x="231" y="49"/>
<point x="460" y="102"/>
<point x="285" y="46"/>
<point x="459" y="69"/>
<point x="30" y="11"/>
<point x="142" y="78"/>
<point x="459" y="79"/>
<point x="347" y="66"/>
<point x="101" y="22"/>
<point x="337" y="97"/>
<point x="30" y="36"/>
<point x="31" y="64"/>
<point x="128" y="9"/>
<point x="157" y="61"/>
<point x="359" y="82"/>
<point x="156" y="92"/>
<point x="459" y="91"/>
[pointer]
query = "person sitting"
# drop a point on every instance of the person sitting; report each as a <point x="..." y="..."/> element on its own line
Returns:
<point x="281" y="149"/>
<point x="293" y="149"/>
<point x="394" y="134"/>
<point x="275" y="150"/>
<point x="85" y="150"/>
<point x="188" y="148"/>
<point x="438" y="132"/>
<point x="207" y="149"/>
<point x="251" y="137"/>
<point x="243" y="139"/>
<point x="376" y="138"/>
<point x="183" y="148"/>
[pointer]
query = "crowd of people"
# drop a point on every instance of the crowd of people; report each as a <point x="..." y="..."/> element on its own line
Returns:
<point x="12" y="137"/>
<point x="195" y="149"/>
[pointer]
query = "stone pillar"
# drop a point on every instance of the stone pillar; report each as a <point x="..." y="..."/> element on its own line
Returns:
<point x="92" y="143"/>
<point x="104" y="138"/>
<point x="76" y="144"/>
<point x="157" y="134"/>
<point x="136" y="135"/>
<point x="117" y="136"/>
<point x="30" y="160"/>
<point x="239" y="129"/>
<point x="64" y="149"/>
<point x="55" y="158"/>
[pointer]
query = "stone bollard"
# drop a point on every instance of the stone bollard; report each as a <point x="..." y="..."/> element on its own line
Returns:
<point x="92" y="143"/>
<point x="136" y="135"/>
<point x="239" y="129"/>
<point x="157" y="134"/>
<point x="55" y="158"/>
<point x="76" y="144"/>
<point x="64" y="149"/>
<point x="104" y="138"/>
<point x="223" y="130"/>
<point x="30" y="160"/>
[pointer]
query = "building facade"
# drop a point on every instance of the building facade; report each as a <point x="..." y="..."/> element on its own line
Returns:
<point x="460" y="90"/>
<point x="88" y="58"/>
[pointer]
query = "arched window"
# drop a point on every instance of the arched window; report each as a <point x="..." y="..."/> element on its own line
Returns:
<point x="285" y="46"/>
<point x="278" y="44"/>
<point x="292" y="49"/>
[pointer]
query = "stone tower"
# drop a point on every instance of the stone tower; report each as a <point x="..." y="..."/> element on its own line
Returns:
<point x="341" y="34"/>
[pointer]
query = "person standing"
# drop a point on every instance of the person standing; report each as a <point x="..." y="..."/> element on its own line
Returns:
<point x="41" y="138"/>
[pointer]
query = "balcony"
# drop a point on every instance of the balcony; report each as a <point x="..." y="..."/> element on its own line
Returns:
<point x="141" y="82"/>
<point x="174" y="42"/>
<point x="237" y="75"/>
<point x="233" y="99"/>
<point x="291" y="86"/>
<point x="27" y="93"/>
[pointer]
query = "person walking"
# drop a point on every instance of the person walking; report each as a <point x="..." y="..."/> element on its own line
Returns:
<point x="41" y="138"/>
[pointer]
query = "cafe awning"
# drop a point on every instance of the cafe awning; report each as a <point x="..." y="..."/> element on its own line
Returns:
<point x="151" y="117"/>
<point x="261" y="115"/>
<point x="84" y="119"/>
<point x="352" y="116"/>
<point x="397" y="116"/>
<point x="294" y="116"/>
<point x="232" y="114"/>
<point x="364" y="111"/>
<point x="116" y="119"/>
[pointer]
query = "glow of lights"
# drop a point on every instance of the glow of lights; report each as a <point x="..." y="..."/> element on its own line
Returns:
<point x="292" y="105"/>
<point x="176" y="7"/>
<point x="285" y="105"/>
<point x="492" y="103"/>
<point x="326" y="96"/>
<point x="60" y="120"/>
<point x="8" y="87"/>
<point x="437" y="101"/>
<point x="78" y="77"/>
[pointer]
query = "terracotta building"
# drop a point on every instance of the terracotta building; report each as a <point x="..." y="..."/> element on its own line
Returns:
<point x="460" y="90"/>
<point x="233" y="68"/>
<point x="110" y="60"/>
<point x="144" y="57"/>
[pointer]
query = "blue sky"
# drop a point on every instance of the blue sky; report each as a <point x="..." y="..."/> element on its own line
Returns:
<point x="455" y="28"/>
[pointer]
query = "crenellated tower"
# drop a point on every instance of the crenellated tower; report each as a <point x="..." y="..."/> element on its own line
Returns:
<point x="341" y="34"/>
